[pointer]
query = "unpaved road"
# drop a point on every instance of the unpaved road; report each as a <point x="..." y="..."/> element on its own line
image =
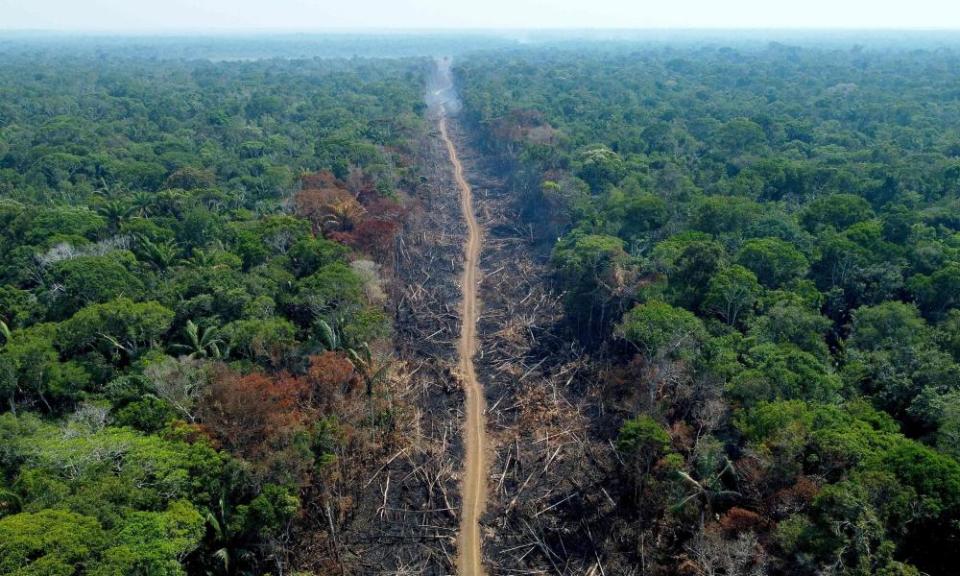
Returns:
<point x="470" y="557"/>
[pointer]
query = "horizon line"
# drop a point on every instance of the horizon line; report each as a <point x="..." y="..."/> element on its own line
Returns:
<point x="468" y="29"/>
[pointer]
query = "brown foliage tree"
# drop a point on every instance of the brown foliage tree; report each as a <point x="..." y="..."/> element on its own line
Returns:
<point x="322" y="179"/>
<point x="253" y="414"/>
<point x="328" y="209"/>
<point x="332" y="379"/>
<point x="737" y="520"/>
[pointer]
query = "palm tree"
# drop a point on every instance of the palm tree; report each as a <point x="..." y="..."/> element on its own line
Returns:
<point x="229" y="550"/>
<point x="142" y="204"/>
<point x="4" y="331"/>
<point x="202" y="342"/>
<point x="200" y="259"/>
<point x="115" y="211"/>
<point x="327" y="335"/>
<point x="110" y="191"/>
<point x="365" y="364"/>
<point x="171" y="202"/>
<point x="162" y="254"/>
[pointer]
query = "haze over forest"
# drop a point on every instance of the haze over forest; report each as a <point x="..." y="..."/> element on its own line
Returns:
<point x="299" y="15"/>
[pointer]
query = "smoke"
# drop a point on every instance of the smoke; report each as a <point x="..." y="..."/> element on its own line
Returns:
<point x="441" y="96"/>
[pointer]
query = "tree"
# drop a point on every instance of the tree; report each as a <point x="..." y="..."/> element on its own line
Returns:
<point x="642" y="214"/>
<point x="161" y="255"/>
<point x="888" y="326"/>
<point x="115" y="211"/>
<point x="837" y="211"/>
<point x="935" y="479"/>
<point x="849" y="529"/>
<point x="713" y="555"/>
<point x="31" y="370"/>
<point x="948" y="426"/>
<point x="262" y="340"/>
<point x="308" y="255"/>
<point x="643" y="442"/>
<point x="259" y="240"/>
<point x="120" y="327"/>
<point x="153" y="542"/>
<point x="180" y="382"/>
<point x="600" y="166"/>
<point x="783" y="372"/>
<point x="330" y="208"/>
<point x="93" y="280"/>
<point x="254" y="415"/>
<point x="658" y="329"/>
<point x="18" y="308"/>
<point x="190" y="178"/>
<point x="898" y="223"/>
<point x="557" y="204"/>
<point x="332" y="376"/>
<point x="740" y="135"/>
<point x="334" y="289"/>
<point x="375" y="233"/>
<point x="950" y="333"/>
<point x="42" y="224"/>
<point x="725" y="215"/>
<point x="643" y="435"/>
<point x="696" y="264"/>
<point x="774" y="261"/>
<point x="939" y="292"/>
<point x="57" y="542"/>
<point x="594" y="270"/>
<point x="732" y="294"/>
<point x="790" y="322"/>
<point x="893" y="355"/>
<point x="197" y="227"/>
<point x="202" y="342"/>
<point x="272" y="509"/>
<point x="49" y="542"/>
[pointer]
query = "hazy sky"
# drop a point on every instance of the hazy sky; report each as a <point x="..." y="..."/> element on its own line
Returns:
<point x="145" y="15"/>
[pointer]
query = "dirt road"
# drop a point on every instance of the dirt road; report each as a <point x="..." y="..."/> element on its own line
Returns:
<point x="470" y="558"/>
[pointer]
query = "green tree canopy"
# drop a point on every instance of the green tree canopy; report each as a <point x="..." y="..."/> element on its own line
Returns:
<point x="659" y="329"/>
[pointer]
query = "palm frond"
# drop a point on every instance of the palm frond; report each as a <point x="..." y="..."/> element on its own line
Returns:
<point x="327" y="335"/>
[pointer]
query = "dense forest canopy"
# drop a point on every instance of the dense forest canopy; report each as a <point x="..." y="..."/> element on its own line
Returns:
<point x="191" y="310"/>
<point x="767" y="240"/>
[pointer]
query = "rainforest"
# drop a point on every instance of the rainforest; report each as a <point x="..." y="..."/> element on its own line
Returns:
<point x="349" y="304"/>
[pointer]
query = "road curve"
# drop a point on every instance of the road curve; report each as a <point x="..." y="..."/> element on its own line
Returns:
<point x="474" y="489"/>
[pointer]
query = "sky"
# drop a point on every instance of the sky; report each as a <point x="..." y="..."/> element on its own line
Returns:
<point x="319" y="15"/>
